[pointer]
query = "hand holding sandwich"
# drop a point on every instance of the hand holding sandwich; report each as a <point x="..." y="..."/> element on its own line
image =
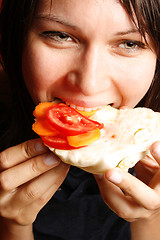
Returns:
<point x="136" y="199"/>
<point x="29" y="174"/>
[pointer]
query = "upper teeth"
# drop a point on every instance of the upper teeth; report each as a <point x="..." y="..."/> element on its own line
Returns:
<point x="57" y="100"/>
<point x="81" y="108"/>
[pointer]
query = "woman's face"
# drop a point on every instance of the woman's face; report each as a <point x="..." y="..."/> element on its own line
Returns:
<point x="87" y="53"/>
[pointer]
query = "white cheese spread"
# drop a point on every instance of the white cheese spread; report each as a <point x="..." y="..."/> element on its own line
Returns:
<point x="125" y="139"/>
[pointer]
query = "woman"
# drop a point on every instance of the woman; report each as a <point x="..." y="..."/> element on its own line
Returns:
<point x="89" y="54"/>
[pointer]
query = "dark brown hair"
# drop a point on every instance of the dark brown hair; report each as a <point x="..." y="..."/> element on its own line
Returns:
<point x="16" y="18"/>
<point x="147" y="14"/>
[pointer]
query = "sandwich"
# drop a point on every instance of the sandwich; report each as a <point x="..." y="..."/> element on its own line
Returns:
<point x="98" y="140"/>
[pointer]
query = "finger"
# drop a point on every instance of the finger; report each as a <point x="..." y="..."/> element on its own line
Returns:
<point x="146" y="169"/>
<point x="28" y="214"/>
<point x="39" y="186"/>
<point x="20" y="153"/>
<point x="149" y="162"/>
<point x="124" y="107"/>
<point x="155" y="182"/>
<point x="36" y="200"/>
<point x="155" y="151"/>
<point x="123" y="206"/>
<point x="140" y="192"/>
<point x="24" y="172"/>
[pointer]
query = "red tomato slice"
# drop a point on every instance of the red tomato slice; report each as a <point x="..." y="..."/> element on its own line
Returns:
<point x="58" y="142"/>
<point x="68" y="121"/>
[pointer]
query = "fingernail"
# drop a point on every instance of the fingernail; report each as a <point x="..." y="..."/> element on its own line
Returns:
<point x="115" y="178"/>
<point x="39" y="147"/>
<point x="156" y="150"/>
<point x="51" y="159"/>
<point x="99" y="176"/>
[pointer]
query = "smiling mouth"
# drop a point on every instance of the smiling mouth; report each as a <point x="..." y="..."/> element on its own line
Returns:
<point x="80" y="108"/>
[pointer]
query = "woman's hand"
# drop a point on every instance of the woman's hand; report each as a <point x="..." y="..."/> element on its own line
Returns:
<point x="29" y="176"/>
<point x="140" y="198"/>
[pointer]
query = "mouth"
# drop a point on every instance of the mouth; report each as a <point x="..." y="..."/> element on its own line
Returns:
<point x="78" y="107"/>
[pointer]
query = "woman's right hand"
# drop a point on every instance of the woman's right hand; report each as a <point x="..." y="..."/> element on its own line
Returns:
<point x="29" y="176"/>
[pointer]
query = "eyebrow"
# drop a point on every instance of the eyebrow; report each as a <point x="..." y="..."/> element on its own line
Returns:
<point x="56" y="19"/>
<point x="130" y="31"/>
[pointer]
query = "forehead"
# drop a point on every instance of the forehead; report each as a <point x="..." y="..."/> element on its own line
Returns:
<point x="92" y="12"/>
<point x="90" y="5"/>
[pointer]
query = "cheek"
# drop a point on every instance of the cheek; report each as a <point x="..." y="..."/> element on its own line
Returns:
<point x="136" y="81"/>
<point x="40" y="74"/>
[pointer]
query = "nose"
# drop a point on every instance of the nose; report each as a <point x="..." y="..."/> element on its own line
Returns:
<point x="91" y="74"/>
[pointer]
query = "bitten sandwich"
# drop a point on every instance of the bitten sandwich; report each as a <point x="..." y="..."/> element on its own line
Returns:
<point x="100" y="139"/>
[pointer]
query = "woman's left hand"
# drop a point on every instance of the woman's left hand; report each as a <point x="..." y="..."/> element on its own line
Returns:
<point x="134" y="198"/>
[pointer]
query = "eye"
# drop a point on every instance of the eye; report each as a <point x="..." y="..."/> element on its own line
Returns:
<point x="128" y="48"/>
<point x="131" y="45"/>
<point x="58" y="36"/>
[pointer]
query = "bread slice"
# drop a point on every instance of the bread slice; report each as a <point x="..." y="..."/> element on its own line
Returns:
<point x="125" y="139"/>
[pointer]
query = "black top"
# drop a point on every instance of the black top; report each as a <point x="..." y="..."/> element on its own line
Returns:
<point x="77" y="212"/>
